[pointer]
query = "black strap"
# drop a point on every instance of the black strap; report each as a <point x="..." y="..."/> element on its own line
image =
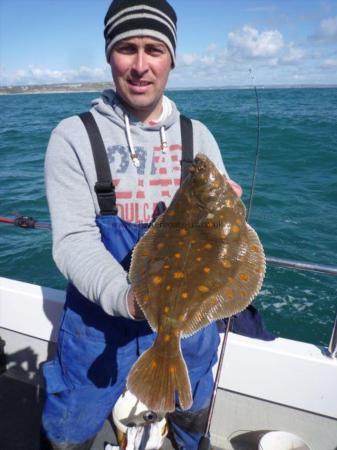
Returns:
<point x="187" y="145"/>
<point x="104" y="187"/>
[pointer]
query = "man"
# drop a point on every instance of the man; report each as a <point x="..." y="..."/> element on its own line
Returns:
<point x="102" y="333"/>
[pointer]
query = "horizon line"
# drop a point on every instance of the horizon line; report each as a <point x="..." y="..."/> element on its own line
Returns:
<point x="170" y="88"/>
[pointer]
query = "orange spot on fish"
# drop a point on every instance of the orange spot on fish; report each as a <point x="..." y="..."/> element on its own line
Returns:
<point x="193" y="241"/>
<point x="238" y="221"/>
<point x="166" y="309"/>
<point x="244" y="277"/>
<point x="181" y="318"/>
<point x="227" y="264"/>
<point x="208" y="246"/>
<point x="154" y="364"/>
<point x="146" y="298"/>
<point x="183" y="232"/>
<point x="168" y="287"/>
<point x="177" y="255"/>
<point x="157" y="280"/>
<point x="167" y="338"/>
<point x="146" y="253"/>
<point x="184" y="295"/>
<point x="178" y="275"/>
<point x="235" y="229"/>
<point x="254" y="248"/>
<point x="173" y="370"/>
<point x="207" y="269"/>
<point x="229" y="293"/>
<point x="160" y="245"/>
<point x="198" y="258"/>
<point x="166" y="266"/>
<point x="203" y="288"/>
<point x="180" y="243"/>
<point x="171" y="213"/>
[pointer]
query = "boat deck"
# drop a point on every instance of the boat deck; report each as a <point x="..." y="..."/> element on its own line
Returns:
<point x="21" y="403"/>
<point x="20" y="412"/>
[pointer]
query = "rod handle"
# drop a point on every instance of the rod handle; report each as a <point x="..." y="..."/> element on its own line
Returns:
<point x="204" y="443"/>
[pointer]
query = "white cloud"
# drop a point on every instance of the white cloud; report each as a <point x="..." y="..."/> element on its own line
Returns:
<point x="327" y="30"/>
<point x="43" y="75"/>
<point x="211" y="47"/>
<point x="207" y="60"/>
<point x="329" y="63"/>
<point x="293" y="54"/>
<point x="272" y="58"/>
<point x="187" y="59"/>
<point x="249" y="42"/>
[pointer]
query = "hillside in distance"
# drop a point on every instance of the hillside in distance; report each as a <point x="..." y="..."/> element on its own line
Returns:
<point x="56" y="88"/>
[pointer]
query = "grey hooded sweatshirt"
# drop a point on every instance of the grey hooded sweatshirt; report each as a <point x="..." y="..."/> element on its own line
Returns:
<point x="71" y="176"/>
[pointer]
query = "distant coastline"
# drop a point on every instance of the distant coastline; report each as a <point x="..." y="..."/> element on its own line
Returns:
<point x="62" y="88"/>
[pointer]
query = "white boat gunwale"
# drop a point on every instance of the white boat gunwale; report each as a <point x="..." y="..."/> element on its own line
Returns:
<point x="282" y="371"/>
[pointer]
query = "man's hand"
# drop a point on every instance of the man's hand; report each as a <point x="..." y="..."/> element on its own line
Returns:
<point x="236" y="187"/>
<point x="133" y="306"/>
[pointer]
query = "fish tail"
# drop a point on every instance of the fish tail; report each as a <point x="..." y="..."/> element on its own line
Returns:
<point x="158" y="374"/>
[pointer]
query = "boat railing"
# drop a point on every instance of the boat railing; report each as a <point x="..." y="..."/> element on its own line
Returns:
<point x="310" y="267"/>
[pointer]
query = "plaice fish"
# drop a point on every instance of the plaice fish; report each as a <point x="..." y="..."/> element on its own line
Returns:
<point x="198" y="263"/>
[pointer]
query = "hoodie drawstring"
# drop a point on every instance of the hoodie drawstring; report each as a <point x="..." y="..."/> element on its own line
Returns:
<point x="133" y="153"/>
<point x="163" y="140"/>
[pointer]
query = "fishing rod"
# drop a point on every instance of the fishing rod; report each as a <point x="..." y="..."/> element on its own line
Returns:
<point x="25" y="222"/>
<point x="205" y="442"/>
<point x="257" y="151"/>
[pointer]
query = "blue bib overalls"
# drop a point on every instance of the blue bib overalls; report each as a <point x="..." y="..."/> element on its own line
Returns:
<point x="96" y="351"/>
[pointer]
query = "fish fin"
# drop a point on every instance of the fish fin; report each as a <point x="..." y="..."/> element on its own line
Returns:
<point x="143" y="252"/>
<point x="143" y="296"/>
<point x="146" y="262"/>
<point x="138" y="273"/>
<point x="237" y="294"/>
<point x="155" y="378"/>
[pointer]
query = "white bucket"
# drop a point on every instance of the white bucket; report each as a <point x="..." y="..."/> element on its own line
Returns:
<point x="282" y="440"/>
<point x="130" y="412"/>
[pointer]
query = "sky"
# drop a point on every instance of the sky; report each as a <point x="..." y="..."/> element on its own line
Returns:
<point x="220" y="42"/>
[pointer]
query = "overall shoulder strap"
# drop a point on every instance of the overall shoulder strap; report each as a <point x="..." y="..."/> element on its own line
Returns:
<point x="187" y="145"/>
<point x="104" y="188"/>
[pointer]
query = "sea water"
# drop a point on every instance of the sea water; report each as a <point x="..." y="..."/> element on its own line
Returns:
<point x="294" y="207"/>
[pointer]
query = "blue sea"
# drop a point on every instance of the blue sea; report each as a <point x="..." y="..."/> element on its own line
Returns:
<point x="294" y="207"/>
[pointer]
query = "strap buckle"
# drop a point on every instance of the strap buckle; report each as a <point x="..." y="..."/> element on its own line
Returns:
<point x="104" y="187"/>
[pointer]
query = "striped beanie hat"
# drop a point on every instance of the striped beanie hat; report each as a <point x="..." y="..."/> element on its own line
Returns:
<point x="130" y="18"/>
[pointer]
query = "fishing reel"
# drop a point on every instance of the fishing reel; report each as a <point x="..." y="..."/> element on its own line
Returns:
<point x="24" y="222"/>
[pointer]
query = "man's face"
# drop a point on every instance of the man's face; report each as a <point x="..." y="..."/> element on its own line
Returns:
<point x="140" y="69"/>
